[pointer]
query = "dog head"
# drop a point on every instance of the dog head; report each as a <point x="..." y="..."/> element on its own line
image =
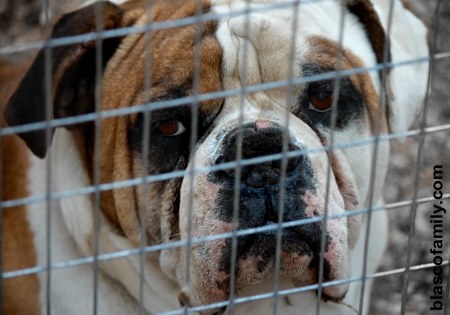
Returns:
<point x="278" y="131"/>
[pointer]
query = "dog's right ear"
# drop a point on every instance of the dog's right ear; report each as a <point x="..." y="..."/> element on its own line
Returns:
<point x="72" y="74"/>
<point x="408" y="83"/>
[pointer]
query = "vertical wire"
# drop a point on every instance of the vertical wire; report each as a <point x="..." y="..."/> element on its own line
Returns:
<point x="99" y="21"/>
<point x="193" y="137"/>
<point x="2" y="210"/>
<point x="238" y="167"/>
<point x="434" y="48"/>
<point x="284" y="158"/>
<point x="423" y="124"/>
<point x="143" y="208"/>
<point x="48" y="136"/>
<point x="447" y="292"/>
<point x="335" y="98"/>
<point x="373" y="166"/>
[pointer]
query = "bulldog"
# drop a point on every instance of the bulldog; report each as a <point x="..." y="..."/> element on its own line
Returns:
<point x="142" y="208"/>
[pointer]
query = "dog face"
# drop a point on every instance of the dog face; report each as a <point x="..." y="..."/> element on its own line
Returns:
<point x="265" y="121"/>
<point x="295" y="123"/>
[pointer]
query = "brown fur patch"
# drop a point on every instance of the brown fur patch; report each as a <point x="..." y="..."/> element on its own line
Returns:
<point x="172" y="66"/>
<point x="324" y="52"/>
<point x="367" y="15"/>
<point x="72" y="74"/>
<point x="20" y="294"/>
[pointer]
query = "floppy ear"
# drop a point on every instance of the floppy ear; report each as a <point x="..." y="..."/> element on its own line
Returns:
<point x="72" y="74"/>
<point x="406" y="84"/>
<point x="367" y="15"/>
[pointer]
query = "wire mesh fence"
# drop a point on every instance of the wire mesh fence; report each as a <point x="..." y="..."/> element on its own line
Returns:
<point x="149" y="208"/>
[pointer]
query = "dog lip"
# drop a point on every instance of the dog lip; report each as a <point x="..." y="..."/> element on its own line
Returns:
<point x="273" y="230"/>
<point x="291" y="242"/>
<point x="286" y="233"/>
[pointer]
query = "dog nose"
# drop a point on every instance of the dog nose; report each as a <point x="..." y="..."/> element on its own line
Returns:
<point x="270" y="183"/>
<point x="262" y="175"/>
<point x="259" y="142"/>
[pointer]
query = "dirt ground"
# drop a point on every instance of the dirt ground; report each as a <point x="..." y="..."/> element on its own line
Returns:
<point x="387" y="294"/>
<point x="19" y="20"/>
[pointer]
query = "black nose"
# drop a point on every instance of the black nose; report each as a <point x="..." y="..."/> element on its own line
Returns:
<point x="259" y="143"/>
<point x="262" y="175"/>
<point x="267" y="187"/>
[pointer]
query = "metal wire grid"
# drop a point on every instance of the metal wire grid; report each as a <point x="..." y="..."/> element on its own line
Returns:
<point x="194" y="100"/>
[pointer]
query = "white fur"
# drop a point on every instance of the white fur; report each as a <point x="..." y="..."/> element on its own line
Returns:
<point x="256" y="50"/>
<point x="306" y="302"/>
<point x="72" y="288"/>
<point x="270" y="32"/>
<point x="408" y="82"/>
<point x="71" y="228"/>
<point x="72" y="224"/>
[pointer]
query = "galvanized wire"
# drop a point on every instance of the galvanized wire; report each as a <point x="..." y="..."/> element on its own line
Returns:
<point x="237" y="165"/>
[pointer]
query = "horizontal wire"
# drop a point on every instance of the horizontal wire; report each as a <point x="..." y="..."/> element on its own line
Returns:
<point x="200" y="170"/>
<point x="263" y="296"/>
<point x="125" y="31"/>
<point x="150" y="27"/>
<point x="16" y="48"/>
<point x="219" y="167"/>
<point x="187" y="100"/>
<point x="441" y="55"/>
<point x="209" y="238"/>
<point x="134" y="109"/>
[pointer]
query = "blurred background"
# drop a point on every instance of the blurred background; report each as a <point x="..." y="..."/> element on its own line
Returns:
<point x="22" y="21"/>
<point x="404" y="166"/>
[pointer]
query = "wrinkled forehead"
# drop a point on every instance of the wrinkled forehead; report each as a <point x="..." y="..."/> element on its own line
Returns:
<point x="265" y="41"/>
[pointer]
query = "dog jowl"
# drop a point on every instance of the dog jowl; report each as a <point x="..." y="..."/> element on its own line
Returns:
<point x="296" y="164"/>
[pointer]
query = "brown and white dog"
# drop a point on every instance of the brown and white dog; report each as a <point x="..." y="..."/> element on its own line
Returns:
<point x="236" y="51"/>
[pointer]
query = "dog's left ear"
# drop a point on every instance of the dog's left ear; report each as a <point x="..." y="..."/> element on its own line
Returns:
<point x="406" y="83"/>
<point x="72" y="73"/>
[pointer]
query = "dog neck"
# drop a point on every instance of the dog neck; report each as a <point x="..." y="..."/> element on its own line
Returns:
<point x="73" y="237"/>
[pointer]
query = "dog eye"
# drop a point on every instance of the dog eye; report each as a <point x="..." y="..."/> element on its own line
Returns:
<point x="171" y="128"/>
<point x="321" y="101"/>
